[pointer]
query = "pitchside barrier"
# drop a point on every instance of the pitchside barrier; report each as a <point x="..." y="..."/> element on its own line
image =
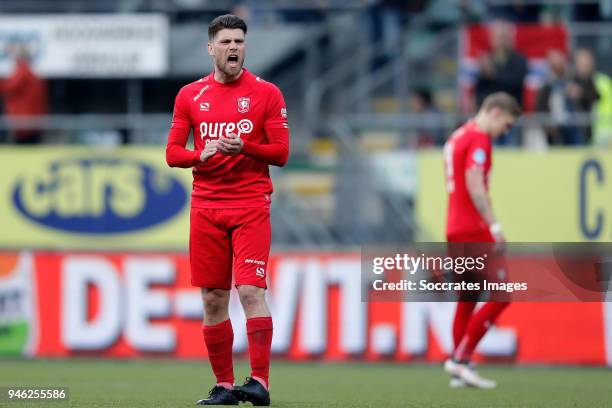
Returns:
<point x="86" y="275"/>
<point x="103" y="198"/>
<point x="124" y="305"/>
<point x="563" y="195"/>
<point x="128" y="199"/>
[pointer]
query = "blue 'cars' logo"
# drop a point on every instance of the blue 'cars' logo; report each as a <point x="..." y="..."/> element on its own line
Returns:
<point x="99" y="196"/>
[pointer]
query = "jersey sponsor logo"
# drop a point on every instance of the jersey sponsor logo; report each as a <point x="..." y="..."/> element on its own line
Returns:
<point x="204" y="106"/>
<point x="99" y="196"/>
<point x="244" y="104"/>
<point x="283" y="112"/>
<point x="479" y="156"/>
<point x="218" y="129"/>
<point x="204" y="88"/>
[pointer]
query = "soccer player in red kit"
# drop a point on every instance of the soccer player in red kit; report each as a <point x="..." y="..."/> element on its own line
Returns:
<point x="239" y="123"/>
<point x="468" y="160"/>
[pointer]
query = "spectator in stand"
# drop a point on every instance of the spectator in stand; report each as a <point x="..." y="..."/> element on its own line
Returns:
<point x="502" y="70"/>
<point x="429" y="131"/>
<point x="523" y="13"/>
<point x="581" y="90"/>
<point x="24" y="94"/>
<point x="592" y="11"/>
<point x="556" y="98"/>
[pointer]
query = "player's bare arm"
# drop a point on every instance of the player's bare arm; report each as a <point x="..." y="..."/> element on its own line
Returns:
<point x="474" y="179"/>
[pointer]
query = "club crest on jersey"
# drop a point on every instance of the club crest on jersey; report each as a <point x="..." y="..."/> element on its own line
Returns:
<point x="244" y="104"/>
<point x="479" y="156"/>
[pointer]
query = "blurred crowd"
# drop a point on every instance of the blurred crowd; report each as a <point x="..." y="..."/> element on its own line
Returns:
<point x="573" y="105"/>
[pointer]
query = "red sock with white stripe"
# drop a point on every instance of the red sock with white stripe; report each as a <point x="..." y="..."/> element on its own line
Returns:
<point x="219" y="339"/>
<point x="259" y="331"/>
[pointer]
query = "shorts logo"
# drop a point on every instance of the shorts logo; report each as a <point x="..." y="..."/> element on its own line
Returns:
<point x="243" y="104"/>
<point x="284" y="112"/>
<point x="260" y="272"/>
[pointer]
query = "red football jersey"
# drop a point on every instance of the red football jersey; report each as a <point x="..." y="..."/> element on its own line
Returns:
<point x="250" y="107"/>
<point x="467" y="147"/>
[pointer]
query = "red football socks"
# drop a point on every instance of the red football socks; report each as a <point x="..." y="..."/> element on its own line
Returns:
<point x="219" y="340"/>
<point x="259" y="331"/>
<point x="462" y="318"/>
<point x="477" y="327"/>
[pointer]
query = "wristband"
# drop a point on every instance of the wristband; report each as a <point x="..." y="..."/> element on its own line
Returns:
<point x="495" y="228"/>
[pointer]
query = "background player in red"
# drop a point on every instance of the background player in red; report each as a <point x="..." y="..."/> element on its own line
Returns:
<point x="239" y="122"/>
<point x="468" y="160"/>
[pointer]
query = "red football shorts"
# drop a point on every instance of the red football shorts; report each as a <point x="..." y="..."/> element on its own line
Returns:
<point x="226" y="239"/>
<point x="480" y="236"/>
<point x="475" y="245"/>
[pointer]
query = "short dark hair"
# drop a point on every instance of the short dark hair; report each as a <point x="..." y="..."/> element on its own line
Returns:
<point x="503" y="101"/>
<point x="229" y="21"/>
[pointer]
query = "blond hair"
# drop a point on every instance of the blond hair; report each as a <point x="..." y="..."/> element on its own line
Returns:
<point x="503" y="101"/>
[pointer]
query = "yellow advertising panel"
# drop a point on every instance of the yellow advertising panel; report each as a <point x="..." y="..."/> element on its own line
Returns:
<point x="562" y="195"/>
<point x="92" y="198"/>
<point x="127" y="198"/>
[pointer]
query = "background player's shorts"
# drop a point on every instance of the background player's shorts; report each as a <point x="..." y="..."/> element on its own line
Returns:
<point x="474" y="245"/>
<point x="479" y="236"/>
<point x="226" y="239"/>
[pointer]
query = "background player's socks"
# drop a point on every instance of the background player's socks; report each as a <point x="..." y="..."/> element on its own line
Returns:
<point x="259" y="331"/>
<point x="461" y="320"/>
<point x="478" y="326"/>
<point x="219" y="340"/>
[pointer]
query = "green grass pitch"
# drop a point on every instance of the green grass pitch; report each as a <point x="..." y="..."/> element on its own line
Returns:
<point x="171" y="383"/>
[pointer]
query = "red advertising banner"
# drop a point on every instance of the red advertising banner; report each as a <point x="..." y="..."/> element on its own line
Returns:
<point x="126" y="305"/>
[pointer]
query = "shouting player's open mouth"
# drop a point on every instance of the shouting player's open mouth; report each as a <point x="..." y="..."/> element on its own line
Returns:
<point x="232" y="61"/>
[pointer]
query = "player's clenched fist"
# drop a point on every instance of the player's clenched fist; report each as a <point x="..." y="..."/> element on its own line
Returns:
<point x="230" y="144"/>
<point x="209" y="151"/>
